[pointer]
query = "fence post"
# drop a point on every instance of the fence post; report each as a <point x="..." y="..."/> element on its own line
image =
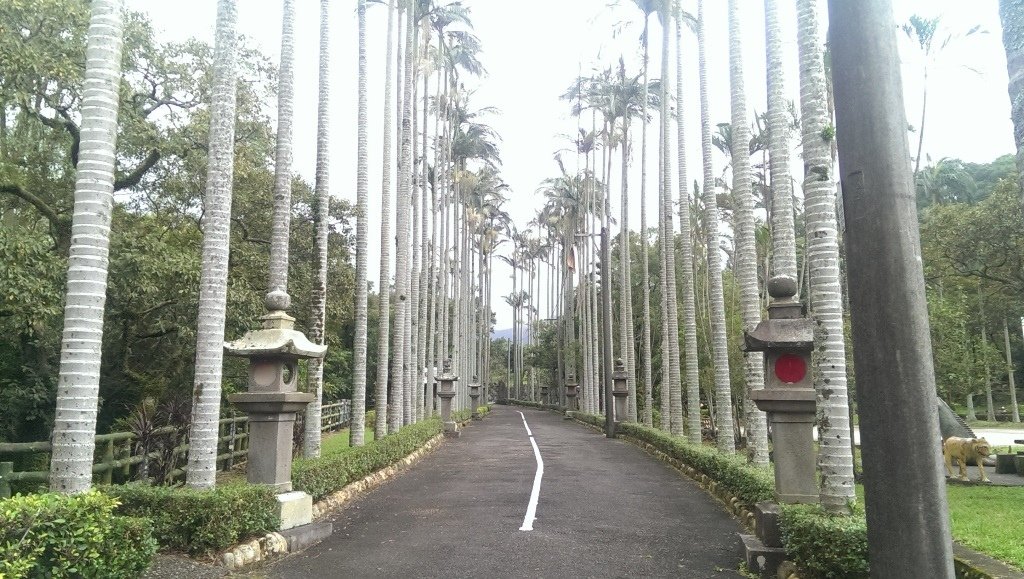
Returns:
<point x="108" y="462"/>
<point x="232" y="428"/>
<point x="6" y="469"/>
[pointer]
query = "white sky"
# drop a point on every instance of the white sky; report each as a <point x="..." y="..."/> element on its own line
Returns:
<point x="533" y="49"/>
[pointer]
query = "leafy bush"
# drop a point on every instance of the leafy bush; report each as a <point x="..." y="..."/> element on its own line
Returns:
<point x="823" y="544"/>
<point x="52" y="535"/>
<point x="529" y="404"/>
<point x="321" y="476"/>
<point x="201" y="521"/>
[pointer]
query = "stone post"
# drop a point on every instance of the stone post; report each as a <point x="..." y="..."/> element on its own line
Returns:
<point x="572" y="390"/>
<point x="271" y="403"/>
<point x="786" y="338"/>
<point x="446" y="392"/>
<point x="474" y="397"/>
<point x="620" y="391"/>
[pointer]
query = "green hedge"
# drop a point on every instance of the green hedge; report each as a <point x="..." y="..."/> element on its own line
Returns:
<point x="530" y="404"/>
<point x="823" y="544"/>
<point x="201" y="521"/>
<point x="321" y="476"/>
<point x="52" y="535"/>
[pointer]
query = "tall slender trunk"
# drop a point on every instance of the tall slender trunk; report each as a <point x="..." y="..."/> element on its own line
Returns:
<point x="668" y="243"/>
<point x="380" y="427"/>
<point x="990" y="408"/>
<point x="321" y="213"/>
<point x="1011" y="383"/>
<point x="277" y="285"/>
<point x="202" y="459"/>
<point x="828" y="365"/>
<point x="398" y="360"/>
<point x="645" y="265"/>
<point x="686" y="241"/>
<point x="746" y="245"/>
<point x="1011" y="14"/>
<point x="726" y="441"/>
<point x="626" y="287"/>
<point x="81" y="344"/>
<point x="358" y="425"/>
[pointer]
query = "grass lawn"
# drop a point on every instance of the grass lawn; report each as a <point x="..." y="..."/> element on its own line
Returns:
<point x="1003" y="425"/>
<point x="986" y="519"/>
<point x="337" y="442"/>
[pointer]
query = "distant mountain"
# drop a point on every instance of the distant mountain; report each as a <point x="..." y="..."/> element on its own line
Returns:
<point x="507" y="334"/>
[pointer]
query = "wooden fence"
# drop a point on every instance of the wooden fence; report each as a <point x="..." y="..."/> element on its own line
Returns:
<point x="119" y="458"/>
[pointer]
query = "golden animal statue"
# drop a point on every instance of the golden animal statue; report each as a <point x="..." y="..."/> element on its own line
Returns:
<point x="966" y="450"/>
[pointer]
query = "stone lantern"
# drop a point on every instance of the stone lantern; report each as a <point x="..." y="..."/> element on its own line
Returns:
<point x="271" y="403"/>
<point x="544" y="393"/>
<point x="620" y="391"/>
<point x="446" y="392"/>
<point x="787" y="338"/>
<point x="572" y="390"/>
<point x="474" y="397"/>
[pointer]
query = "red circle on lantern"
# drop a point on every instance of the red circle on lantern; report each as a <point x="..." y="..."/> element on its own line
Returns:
<point x="790" y="368"/>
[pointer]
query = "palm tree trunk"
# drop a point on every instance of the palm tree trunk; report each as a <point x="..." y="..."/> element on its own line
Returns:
<point x="1014" y="412"/>
<point x="321" y="213"/>
<point x="626" y="287"/>
<point x="835" y="455"/>
<point x="648" y="378"/>
<point x="281" y="220"/>
<point x="415" y="393"/>
<point x="380" y="427"/>
<point x="358" y="426"/>
<point x="1011" y="14"/>
<point x="399" y="416"/>
<point x="689" y="307"/>
<point x="202" y="459"/>
<point x="746" y="246"/>
<point x="668" y="242"/>
<point x="81" y="345"/>
<point x="726" y="441"/>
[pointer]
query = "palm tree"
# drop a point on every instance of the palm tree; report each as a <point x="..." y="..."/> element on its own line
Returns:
<point x="670" y="317"/>
<point x="1011" y="14"/>
<point x="202" y="453"/>
<point x="783" y="235"/>
<point x="400" y="387"/>
<point x="835" y="459"/>
<point x="318" y="301"/>
<point x="723" y="389"/>
<point x="81" y="345"/>
<point x="281" y="220"/>
<point x="647" y="6"/>
<point x="689" y="305"/>
<point x="358" y="426"/>
<point x="380" y="427"/>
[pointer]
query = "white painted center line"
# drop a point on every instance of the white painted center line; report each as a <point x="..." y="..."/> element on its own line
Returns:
<point x="531" y="509"/>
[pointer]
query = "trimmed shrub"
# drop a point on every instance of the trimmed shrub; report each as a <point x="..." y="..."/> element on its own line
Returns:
<point x="201" y="521"/>
<point x="52" y="535"/>
<point x="530" y="404"/>
<point x="322" y="476"/>
<point x="823" y="544"/>
<point x="749" y="483"/>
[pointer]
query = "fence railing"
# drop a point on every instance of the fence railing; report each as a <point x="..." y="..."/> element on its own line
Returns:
<point x="120" y="456"/>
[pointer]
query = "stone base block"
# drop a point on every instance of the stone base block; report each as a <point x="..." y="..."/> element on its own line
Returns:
<point x="762" y="560"/>
<point x="307" y="535"/>
<point x="767" y="515"/>
<point x="451" y="429"/>
<point x="296" y="509"/>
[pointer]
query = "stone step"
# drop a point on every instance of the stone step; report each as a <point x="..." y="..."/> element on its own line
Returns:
<point x="307" y="535"/>
<point x="761" y="560"/>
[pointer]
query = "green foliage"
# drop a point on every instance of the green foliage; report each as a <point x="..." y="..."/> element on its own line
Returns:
<point x="825" y="545"/>
<point x="200" y="521"/>
<point x="322" y="476"/>
<point x="51" y="535"/>
<point x="529" y="404"/>
<point x="749" y="483"/>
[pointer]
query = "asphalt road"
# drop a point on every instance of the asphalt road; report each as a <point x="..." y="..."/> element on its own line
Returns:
<point x="605" y="509"/>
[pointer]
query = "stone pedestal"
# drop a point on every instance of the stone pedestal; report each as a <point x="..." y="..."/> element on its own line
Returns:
<point x="272" y="401"/>
<point x="474" y="398"/>
<point x="791" y="414"/>
<point x="544" y="394"/>
<point x="446" y="392"/>
<point x="572" y="391"/>
<point x="296" y="509"/>
<point x="620" y="392"/>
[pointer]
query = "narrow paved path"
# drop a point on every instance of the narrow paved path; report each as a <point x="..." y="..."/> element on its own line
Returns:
<point x="605" y="509"/>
